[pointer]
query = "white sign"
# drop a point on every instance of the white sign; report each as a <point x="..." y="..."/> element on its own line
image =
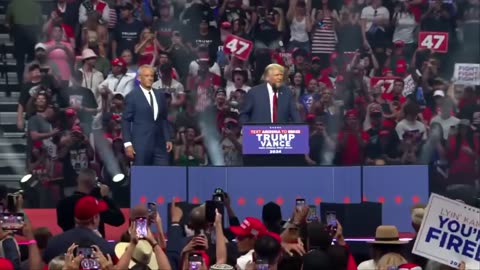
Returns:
<point x="467" y="74"/>
<point x="450" y="233"/>
<point x="409" y="86"/>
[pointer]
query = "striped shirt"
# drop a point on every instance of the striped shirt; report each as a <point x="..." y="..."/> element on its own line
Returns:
<point x="323" y="37"/>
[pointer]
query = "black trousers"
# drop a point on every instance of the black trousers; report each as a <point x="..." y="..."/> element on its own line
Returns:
<point x="25" y="37"/>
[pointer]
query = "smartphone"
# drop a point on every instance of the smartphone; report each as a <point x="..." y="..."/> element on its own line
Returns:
<point x="12" y="221"/>
<point x="331" y="218"/>
<point x="312" y="213"/>
<point x="300" y="203"/>
<point x="152" y="209"/>
<point x="87" y="252"/>
<point x="141" y="227"/>
<point x="194" y="262"/>
<point x="210" y="207"/>
<point x="261" y="264"/>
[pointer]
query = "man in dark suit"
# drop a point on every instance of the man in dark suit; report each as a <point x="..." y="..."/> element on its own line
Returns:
<point x="271" y="102"/>
<point x="145" y="128"/>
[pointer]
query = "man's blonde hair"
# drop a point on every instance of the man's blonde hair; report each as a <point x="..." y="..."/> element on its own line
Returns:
<point x="273" y="67"/>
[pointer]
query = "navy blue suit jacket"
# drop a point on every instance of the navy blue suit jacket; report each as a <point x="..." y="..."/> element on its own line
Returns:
<point x="147" y="135"/>
<point x="256" y="108"/>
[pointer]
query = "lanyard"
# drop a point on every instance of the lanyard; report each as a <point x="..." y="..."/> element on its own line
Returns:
<point x="85" y="80"/>
<point x="118" y="83"/>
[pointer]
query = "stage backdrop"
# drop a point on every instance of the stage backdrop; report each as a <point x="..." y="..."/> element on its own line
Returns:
<point x="398" y="188"/>
<point x="252" y="187"/>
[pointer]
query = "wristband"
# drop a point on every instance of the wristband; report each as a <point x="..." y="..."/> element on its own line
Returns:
<point x="31" y="242"/>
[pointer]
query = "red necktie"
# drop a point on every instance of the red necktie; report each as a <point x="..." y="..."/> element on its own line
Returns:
<point x="275" y="107"/>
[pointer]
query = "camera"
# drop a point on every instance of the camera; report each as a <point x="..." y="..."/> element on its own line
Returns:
<point x="218" y="194"/>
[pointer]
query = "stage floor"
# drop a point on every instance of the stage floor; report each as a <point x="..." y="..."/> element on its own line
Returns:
<point x="48" y="218"/>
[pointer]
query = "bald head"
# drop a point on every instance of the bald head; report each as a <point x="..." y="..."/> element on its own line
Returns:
<point x="274" y="75"/>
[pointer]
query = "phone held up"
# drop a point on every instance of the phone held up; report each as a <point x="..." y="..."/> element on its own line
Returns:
<point x="331" y="218"/>
<point x="88" y="262"/>
<point x="141" y="227"/>
<point x="312" y="213"/>
<point x="194" y="261"/>
<point x="299" y="204"/>
<point x="152" y="209"/>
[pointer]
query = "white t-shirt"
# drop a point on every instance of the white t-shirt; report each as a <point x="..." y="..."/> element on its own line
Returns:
<point x="407" y="126"/>
<point x="405" y="28"/>
<point x="369" y="15"/>
<point x="243" y="260"/>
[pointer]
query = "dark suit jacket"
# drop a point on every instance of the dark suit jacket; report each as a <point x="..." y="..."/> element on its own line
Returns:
<point x="66" y="219"/>
<point x="140" y="128"/>
<point x="256" y="108"/>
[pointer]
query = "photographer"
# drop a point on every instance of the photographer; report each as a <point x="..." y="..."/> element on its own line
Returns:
<point x="231" y="143"/>
<point x="76" y="154"/>
<point x="87" y="185"/>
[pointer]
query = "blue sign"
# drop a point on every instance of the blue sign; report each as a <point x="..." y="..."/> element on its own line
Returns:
<point x="275" y="139"/>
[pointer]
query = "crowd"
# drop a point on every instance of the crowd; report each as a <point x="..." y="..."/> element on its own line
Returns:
<point x="198" y="239"/>
<point x="371" y="92"/>
<point x="359" y="78"/>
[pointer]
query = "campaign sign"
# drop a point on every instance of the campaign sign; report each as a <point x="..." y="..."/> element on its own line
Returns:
<point x="387" y="83"/>
<point x="238" y="47"/>
<point x="450" y="233"/>
<point x="467" y="74"/>
<point x="435" y="41"/>
<point x="275" y="139"/>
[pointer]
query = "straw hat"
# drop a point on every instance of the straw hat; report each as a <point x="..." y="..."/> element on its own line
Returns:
<point x="388" y="235"/>
<point x="143" y="254"/>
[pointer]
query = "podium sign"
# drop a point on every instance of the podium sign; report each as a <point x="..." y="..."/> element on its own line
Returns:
<point x="275" y="139"/>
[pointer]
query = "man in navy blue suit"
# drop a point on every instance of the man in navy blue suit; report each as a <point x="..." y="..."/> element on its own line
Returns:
<point x="271" y="102"/>
<point x="145" y="128"/>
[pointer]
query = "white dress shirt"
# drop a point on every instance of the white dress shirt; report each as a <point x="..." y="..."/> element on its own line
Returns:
<point x="270" y="96"/>
<point x="154" y="99"/>
<point x="155" y="108"/>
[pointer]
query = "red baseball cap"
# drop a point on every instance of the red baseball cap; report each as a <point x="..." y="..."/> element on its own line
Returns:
<point x="70" y="112"/>
<point x="119" y="62"/>
<point x="77" y="128"/>
<point x="399" y="44"/>
<point x="87" y="207"/>
<point x="401" y="66"/>
<point x="249" y="227"/>
<point x="6" y="264"/>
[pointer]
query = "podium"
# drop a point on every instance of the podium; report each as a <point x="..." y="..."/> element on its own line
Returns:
<point x="273" y="145"/>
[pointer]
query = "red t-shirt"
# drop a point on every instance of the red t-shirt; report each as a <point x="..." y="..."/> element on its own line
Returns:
<point x="352" y="153"/>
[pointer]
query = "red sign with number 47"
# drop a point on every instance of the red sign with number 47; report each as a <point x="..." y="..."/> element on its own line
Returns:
<point x="435" y="41"/>
<point x="238" y="47"/>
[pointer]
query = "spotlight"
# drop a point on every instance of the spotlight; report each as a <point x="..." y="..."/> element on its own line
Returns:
<point x="28" y="182"/>
<point x="119" y="177"/>
<point x="26" y="178"/>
